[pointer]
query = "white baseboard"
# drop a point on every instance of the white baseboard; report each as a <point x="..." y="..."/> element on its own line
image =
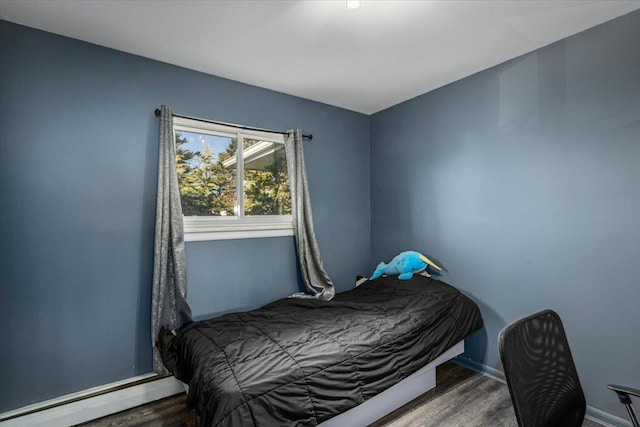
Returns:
<point x="605" y="418"/>
<point x="482" y="368"/>
<point x="594" y="414"/>
<point x="93" y="403"/>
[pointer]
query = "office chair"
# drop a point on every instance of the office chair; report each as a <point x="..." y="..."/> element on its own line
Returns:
<point x="542" y="378"/>
<point x="625" y="398"/>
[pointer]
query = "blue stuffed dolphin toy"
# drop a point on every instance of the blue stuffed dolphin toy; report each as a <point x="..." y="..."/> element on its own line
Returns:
<point x="405" y="265"/>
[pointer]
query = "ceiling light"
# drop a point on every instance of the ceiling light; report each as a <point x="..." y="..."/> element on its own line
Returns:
<point x="353" y="4"/>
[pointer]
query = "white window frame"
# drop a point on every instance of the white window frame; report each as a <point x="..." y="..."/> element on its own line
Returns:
<point x="239" y="226"/>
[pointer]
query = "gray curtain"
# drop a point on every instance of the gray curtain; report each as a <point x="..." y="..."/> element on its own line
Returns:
<point x="169" y="307"/>
<point x="316" y="279"/>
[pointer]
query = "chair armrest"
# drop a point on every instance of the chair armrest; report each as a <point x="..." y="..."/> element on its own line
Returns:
<point x="624" y="392"/>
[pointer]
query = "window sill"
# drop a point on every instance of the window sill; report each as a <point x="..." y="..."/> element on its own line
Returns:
<point x="198" y="229"/>
<point x="201" y="236"/>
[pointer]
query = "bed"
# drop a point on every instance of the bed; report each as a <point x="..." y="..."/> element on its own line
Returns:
<point x="307" y="362"/>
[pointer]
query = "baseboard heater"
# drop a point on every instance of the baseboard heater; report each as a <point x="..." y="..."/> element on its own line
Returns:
<point x="94" y="403"/>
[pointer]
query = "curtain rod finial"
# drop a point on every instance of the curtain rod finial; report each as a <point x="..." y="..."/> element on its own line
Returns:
<point x="157" y="112"/>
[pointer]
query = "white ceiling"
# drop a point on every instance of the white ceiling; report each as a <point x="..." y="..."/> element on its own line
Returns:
<point x="364" y="60"/>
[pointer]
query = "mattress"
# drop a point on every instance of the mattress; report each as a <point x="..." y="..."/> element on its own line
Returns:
<point x="303" y="361"/>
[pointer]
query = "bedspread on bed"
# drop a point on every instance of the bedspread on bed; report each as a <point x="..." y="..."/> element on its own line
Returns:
<point x="303" y="361"/>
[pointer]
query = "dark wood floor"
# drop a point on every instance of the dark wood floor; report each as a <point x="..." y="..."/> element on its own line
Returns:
<point x="461" y="398"/>
<point x="169" y="412"/>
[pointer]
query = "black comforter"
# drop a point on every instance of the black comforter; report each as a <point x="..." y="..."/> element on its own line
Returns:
<point x="303" y="361"/>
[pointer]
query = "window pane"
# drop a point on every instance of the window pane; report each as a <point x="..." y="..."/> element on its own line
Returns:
<point x="206" y="173"/>
<point x="266" y="183"/>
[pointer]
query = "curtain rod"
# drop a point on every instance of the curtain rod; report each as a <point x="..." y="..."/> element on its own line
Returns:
<point x="157" y="112"/>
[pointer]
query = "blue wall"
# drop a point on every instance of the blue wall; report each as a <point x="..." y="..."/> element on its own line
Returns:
<point x="524" y="181"/>
<point x="78" y="164"/>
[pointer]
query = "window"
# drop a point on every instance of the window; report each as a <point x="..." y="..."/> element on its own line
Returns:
<point x="233" y="182"/>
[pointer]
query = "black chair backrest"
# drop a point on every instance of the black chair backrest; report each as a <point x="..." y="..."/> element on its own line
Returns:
<point x="542" y="378"/>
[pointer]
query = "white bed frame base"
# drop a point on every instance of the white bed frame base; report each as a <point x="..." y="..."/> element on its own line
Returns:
<point x="395" y="396"/>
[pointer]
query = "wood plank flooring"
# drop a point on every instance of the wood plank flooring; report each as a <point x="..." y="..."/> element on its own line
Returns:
<point x="462" y="398"/>
<point x="169" y="412"/>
